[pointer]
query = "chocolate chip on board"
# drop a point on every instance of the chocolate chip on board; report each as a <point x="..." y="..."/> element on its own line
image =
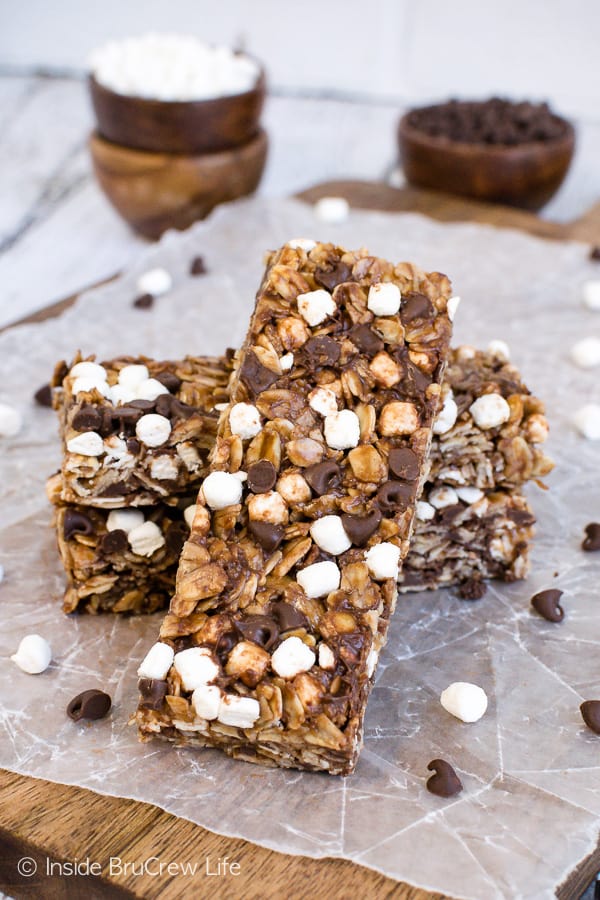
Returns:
<point x="92" y="704"/>
<point x="591" y="541"/>
<point x="404" y="463"/>
<point x="145" y="301"/>
<point x="76" y="522"/>
<point x="472" y="589"/>
<point x="590" y="712"/>
<point x="43" y="396"/>
<point x="323" y="476"/>
<point x="153" y="692"/>
<point x="595" y="253"/>
<point x="445" y="782"/>
<point x="198" y="266"/>
<point x="360" y="528"/>
<point x="547" y="604"/>
<point x="262" y="475"/>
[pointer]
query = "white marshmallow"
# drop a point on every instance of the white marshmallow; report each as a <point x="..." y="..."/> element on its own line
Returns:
<point x="268" y="507"/>
<point x="196" y="667"/>
<point x="586" y="353"/>
<point x="293" y="488"/>
<point x="117" y="454"/>
<point x="83" y="384"/>
<point x="452" y="306"/>
<point x="466" y="701"/>
<point x="164" y="468"/>
<point x="332" y="210"/>
<point x="150" y="389"/>
<point x="315" y="306"/>
<point x="328" y="534"/>
<point x="469" y="494"/>
<point x="206" y="701"/>
<point x="342" y="429"/>
<point x="319" y="579"/>
<point x="384" y="298"/>
<point x="305" y="244"/>
<point x="119" y="394"/>
<point x="372" y="661"/>
<point x="286" y="362"/>
<point x="244" y="420"/>
<point x="499" y="348"/>
<point x="88" y="370"/>
<point x="157" y="662"/>
<point x="383" y="560"/>
<point x="88" y="443"/>
<point x="221" y="489"/>
<point x="446" y="417"/>
<point x="154" y="281"/>
<point x="132" y="376"/>
<point x="323" y="401"/>
<point x="587" y="421"/>
<point x="490" y="411"/>
<point x="11" y="420"/>
<point x="124" y="519"/>
<point x="292" y="657"/>
<point x="442" y="496"/>
<point x="425" y="511"/>
<point x="326" y="656"/>
<point x="33" y="655"/>
<point x="146" y="539"/>
<point x="189" y="513"/>
<point x="238" y="712"/>
<point x="153" y="430"/>
<point x="590" y="294"/>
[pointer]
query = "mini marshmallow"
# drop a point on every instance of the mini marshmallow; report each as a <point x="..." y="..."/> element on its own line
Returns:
<point x="117" y="453"/>
<point x="328" y="534"/>
<point x="286" y="362"/>
<point x="189" y="513"/>
<point x="323" y="401"/>
<point x="119" y="394"/>
<point x="446" y="417"/>
<point x="372" y="661"/>
<point x="499" y="348"/>
<point x="292" y="657"/>
<point x="33" y="655"/>
<point x="221" y="489"/>
<point x="206" y="701"/>
<point x="469" y="494"/>
<point x="466" y="701"/>
<point x="150" y="389"/>
<point x="319" y="579"/>
<point x="157" y="662"/>
<point x="442" y="496"/>
<point x="154" y="281"/>
<point x="153" y="430"/>
<point x="84" y="384"/>
<point x="586" y="353"/>
<point x="164" y="468"/>
<point x="196" y="667"/>
<point x="342" y="429"/>
<point x="244" y="420"/>
<point x="11" y="420"/>
<point x="326" y="657"/>
<point x="88" y="370"/>
<point x="425" y="511"/>
<point x="124" y="519"/>
<point x="332" y="210"/>
<point x="384" y="298"/>
<point x="88" y="443"/>
<point x="315" y="306"/>
<point x="452" y="306"/>
<point x="132" y="376"/>
<point x="590" y="294"/>
<point x="268" y="507"/>
<point x="383" y="560"/>
<point x="490" y="411"/>
<point x="587" y="421"/>
<point x="238" y="712"/>
<point x="146" y="539"/>
<point x="294" y="488"/>
<point x="305" y="244"/>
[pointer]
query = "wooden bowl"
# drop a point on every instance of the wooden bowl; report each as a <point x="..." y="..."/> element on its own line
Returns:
<point x="523" y="175"/>
<point x="157" y="191"/>
<point x="190" y="126"/>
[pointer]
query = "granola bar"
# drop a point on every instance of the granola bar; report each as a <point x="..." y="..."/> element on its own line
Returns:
<point x="136" y="431"/>
<point x="286" y="587"/>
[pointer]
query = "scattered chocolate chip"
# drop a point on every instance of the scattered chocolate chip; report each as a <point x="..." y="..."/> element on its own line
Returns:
<point x="547" y="604"/>
<point x="590" y="711"/>
<point x="134" y="446"/>
<point x="323" y="476"/>
<point x="262" y="475"/>
<point x="197" y="266"/>
<point x="415" y="306"/>
<point x="322" y="351"/>
<point x="225" y="644"/>
<point x="404" y="463"/>
<point x="255" y="376"/>
<point x="445" y="782"/>
<point x="360" y="528"/>
<point x="153" y="692"/>
<point x="473" y="589"/>
<point x="261" y="630"/>
<point x="87" y="418"/>
<point x="595" y="254"/>
<point x="330" y="278"/>
<point x="591" y="541"/>
<point x="268" y="536"/>
<point x="366" y="340"/>
<point x="92" y="704"/>
<point x="146" y="406"/>
<point x="394" y="496"/>
<point x="287" y="616"/>
<point x="145" y="301"/>
<point x="175" y="537"/>
<point x="76" y="523"/>
<point x="43" y="395"/>
<point x="172" y="408"/>
<point x="169" y="380"/>
<point x="113" y="542"/>
<point x="125" y="417"/>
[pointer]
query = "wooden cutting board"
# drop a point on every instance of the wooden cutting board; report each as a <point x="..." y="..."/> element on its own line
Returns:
<point x="53" y="824"/>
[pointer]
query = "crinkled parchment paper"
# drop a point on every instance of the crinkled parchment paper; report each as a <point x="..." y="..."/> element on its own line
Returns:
<point x="531" y="770"/>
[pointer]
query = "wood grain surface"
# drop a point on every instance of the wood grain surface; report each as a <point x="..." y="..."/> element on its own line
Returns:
<point x="52" y="823"/>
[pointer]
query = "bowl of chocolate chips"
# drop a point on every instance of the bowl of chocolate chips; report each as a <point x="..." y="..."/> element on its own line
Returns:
<point x="516" y="153"/>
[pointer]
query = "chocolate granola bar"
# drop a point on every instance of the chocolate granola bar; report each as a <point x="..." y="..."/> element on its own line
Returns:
<point x="286" y="586"/>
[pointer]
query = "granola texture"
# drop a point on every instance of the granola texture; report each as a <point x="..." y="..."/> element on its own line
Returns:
<point x="239" y="593"/>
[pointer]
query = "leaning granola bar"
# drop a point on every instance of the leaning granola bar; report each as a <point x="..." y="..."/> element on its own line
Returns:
<point x="286" y="586"/>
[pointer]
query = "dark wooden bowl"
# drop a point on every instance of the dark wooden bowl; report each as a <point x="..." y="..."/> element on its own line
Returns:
<point x="524" y="175"/>
<point x="189" y="126"/>
<point x="157" y="191"/>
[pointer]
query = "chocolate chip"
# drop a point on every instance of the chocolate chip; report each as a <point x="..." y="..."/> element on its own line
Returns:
<point x="146" y="406"/>
<point x="473" y="589"/>
<point x="590" y="711"/>
<point x="322" y="351"/>
<point x="175" y="537"/>
<point x="76" y="523"/>
<point x="225" y="644"/>
<point x="92" y="704"/>
<point x="197" y="266"/>
<point x="591" y="541"/>
<point x="172" y="408"/>
<point x="415" y="306"/>
<point x="87" y="418"/>
<point x="269" y="536"/>
<point x="113" y="542"/>
<point x="323" y="476"/>
<point x="360" y="528"/>
<point x="43" y="395"/>
<point x="547" y="604"/>
<point x="153" y="692"/>
<point x="169" y="380"/>
<point x="255" y="376"/>
<point x="261" y="630"/>
<point x="262" y="475"/>
<point x="394" y="496"/>
<point x="287" y="616"/>
<point x="521" y="517"/>
<point x="145" y="301"/>
<point x="330" y="278"/>
<point x="404" y="463"/>
<point x="134" y="446"/>
<point x="445" y="782"/>
<point x="595" y="254"/>
<point x="366" y="340"/>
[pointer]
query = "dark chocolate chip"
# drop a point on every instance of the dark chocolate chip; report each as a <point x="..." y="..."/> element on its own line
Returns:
<point x="330" y="278"/>
<point x="87" y="418"/>
<point x="153" y="692"/>
<point x="323" y="476"/>
<point x="172" y="408"/>
<point x="43" y="395"/>
<point x="445" y="782"/>
<point x="394" y="496"/>
<point x="404" y="463"/>
<point x="591" y="541"/>
<point x="134" y="446"/>
<point x="269" y="536"/>
<point x="322" y="351"/>
<point x="169" y="380"/>
<point x="146" y="406"/>
<point x="197" y="266"/>
<point x="360" y="528"/>
<point x="287" y="616"/>
<point x="366" y="340"/>
<point x="262" y="475"/>
<point x="225" y="644"/>
<point x="76" y="523"/>
<point x="145" y="301"/>
<point x="521" y="517"/>
<point x="113" y="542"/>
<point x="92" y="704"/>
<point x="473" y="589"/>
<point x="590" y="711"/>
<point x="415" y="306"/>
<point x="175" y="537"/>
<point x="547" y="604"/>
<point x="261" y="630"/>
<point x="255" y="376"/>
<point x="595" y="254"/>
